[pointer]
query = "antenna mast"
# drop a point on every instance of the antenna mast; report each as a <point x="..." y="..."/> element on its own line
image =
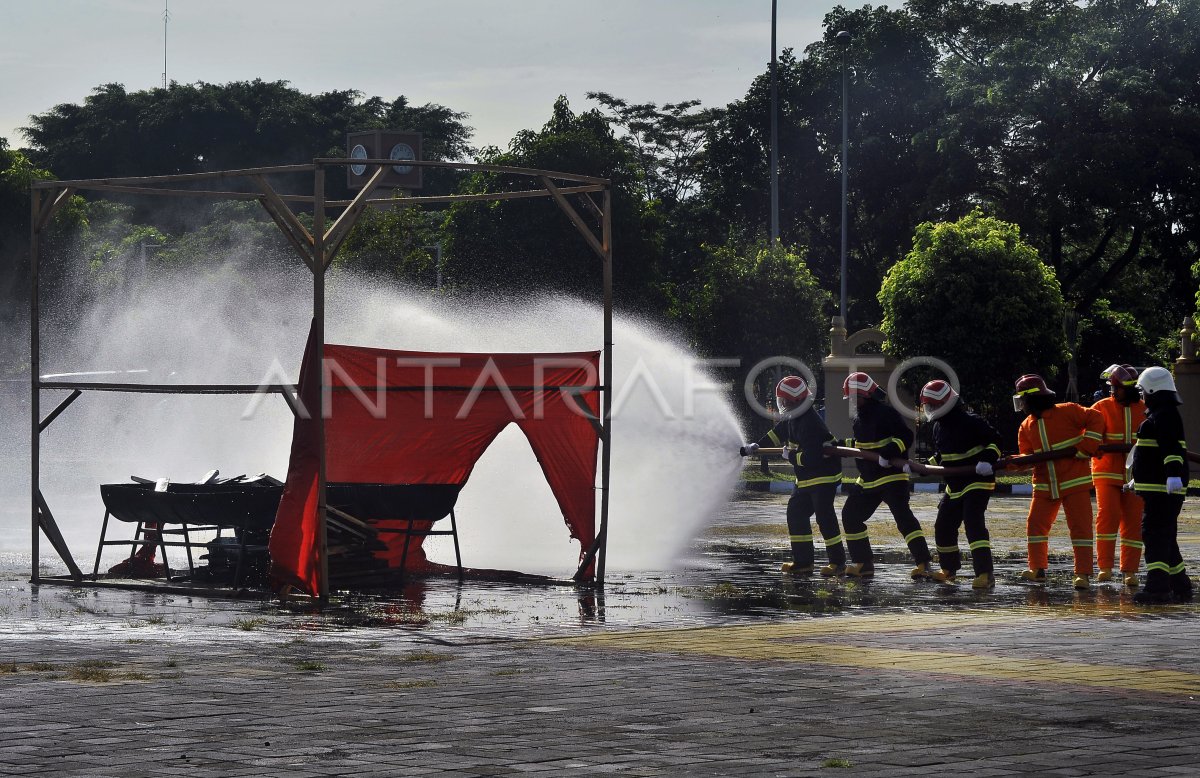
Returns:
<point x="166" y="18"/>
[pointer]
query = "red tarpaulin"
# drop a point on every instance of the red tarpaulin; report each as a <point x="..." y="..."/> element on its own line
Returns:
<point x="408" y="418"/>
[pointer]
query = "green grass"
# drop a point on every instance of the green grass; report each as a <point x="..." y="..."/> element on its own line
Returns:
<point x="721" y="591"/>
<point x="836" y="763"/>
<point x="428" y="656"/>
<point x="308" y="666"/>
<point x="754" y="474"/>
<point x="93" y="670"/>
<point x="248" y="625"/>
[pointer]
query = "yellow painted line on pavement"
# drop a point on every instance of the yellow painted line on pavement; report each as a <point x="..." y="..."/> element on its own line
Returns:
<point x="793" y="642"/>
<point x="840" y="625"/>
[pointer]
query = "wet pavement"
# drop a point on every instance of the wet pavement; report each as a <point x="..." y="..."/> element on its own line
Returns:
<point x="722" y="666"/>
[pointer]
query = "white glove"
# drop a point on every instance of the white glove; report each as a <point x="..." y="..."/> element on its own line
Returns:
<point x="907" y="469"/>
<point x="884" y="462"/>
<point x="749" y="449"/>
<point x="1174" y="484"/>
<point x="983" y="468"/>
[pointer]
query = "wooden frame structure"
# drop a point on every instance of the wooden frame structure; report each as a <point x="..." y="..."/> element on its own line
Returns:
<point x="317" y="250"/>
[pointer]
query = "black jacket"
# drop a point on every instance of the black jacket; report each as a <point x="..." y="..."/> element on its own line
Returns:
<point x="804" y="437"/>
<point x="1161" y="451"/>
<point x="880" y="429"/>
<point x="962" y="438"/>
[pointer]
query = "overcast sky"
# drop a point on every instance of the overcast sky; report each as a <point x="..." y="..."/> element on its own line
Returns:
<point x="502" y="61"/>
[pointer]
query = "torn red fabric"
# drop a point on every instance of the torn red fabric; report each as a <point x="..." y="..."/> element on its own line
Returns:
<point x="413" y="418"/>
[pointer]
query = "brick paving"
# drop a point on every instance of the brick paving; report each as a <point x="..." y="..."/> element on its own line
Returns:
<point x="717" y="670"/>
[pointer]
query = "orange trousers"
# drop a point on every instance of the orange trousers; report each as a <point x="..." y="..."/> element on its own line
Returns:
<point x="1118" y="510"/>
<point x="1043" y="511"/>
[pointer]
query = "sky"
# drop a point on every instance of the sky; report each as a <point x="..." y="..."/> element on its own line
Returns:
<point x="502" y="62"/>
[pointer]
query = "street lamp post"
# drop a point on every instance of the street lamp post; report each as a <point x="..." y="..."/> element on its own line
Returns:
<point x="774" y="137"/>
<point x="843" y="39"/>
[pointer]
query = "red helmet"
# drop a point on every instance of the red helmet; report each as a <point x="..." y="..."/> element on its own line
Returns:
<point x="859" y="385"/>
<point x="791" y="392"/>
<point x="938" y="394"/>
<point x="1030" y="385"/>
<point x="1120" y="375"/>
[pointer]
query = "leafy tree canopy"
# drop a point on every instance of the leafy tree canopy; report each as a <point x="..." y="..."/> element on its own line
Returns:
<point x="894" y="97"/>
<point x="188" y="128"/>
<point x="528" y="244"/>
<point x="1080" y="122"/>
<point x="754" y="302"/>
<point x="973" y="293"/>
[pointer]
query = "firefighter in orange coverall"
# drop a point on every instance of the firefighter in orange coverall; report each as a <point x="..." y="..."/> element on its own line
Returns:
<point x="1117" y="508"/>
<point x="1065" y="482"/>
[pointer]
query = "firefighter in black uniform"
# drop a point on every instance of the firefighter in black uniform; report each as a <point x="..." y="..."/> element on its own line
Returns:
<point x="879" y="430"/>
<point x="961" y="440"/>
<point x="1160" y="476"/>
<point x="803" y="435"/>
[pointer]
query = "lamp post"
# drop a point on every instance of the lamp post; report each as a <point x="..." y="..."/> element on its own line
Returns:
<point x="843" y="40"/>
<point x="774" y="137"/>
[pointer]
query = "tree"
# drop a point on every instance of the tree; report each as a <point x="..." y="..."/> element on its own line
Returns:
<point x="395" y="244"/>
<point x="753" y="302"/>
<point x="17" y="174"/>
<point x="973" y="293"/>
<point x="190" y="128"/>
<point x="895" y="96"/>
<point x="520" y="245"/>
<point x="669" y="147"/>
<point x="1079" y="121"/>
<point x="668" y="143"/>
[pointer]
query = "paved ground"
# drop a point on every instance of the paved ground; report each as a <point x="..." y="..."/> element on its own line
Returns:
<point x="721" y="668"/>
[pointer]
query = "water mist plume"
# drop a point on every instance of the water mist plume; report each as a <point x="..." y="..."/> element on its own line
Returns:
<point x="672" y="471"/>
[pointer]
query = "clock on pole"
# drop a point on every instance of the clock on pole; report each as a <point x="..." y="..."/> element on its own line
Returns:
<point x="396" y="145"/>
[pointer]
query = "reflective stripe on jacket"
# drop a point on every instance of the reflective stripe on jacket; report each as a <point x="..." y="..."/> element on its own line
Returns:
<point x="1066" y="425"/>
<point x="963" y="438"/>
<point x="1161" y="451"/>
<point x="1121" y="423"/>
<point x="880" y="429"/>
<point x="803" y="439"/>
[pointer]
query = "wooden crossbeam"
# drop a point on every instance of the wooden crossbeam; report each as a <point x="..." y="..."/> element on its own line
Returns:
<point x="338" y="231"/>
<point x="62" y="406"/>
<point x="49" y="208"/>
<point x="574" y="216"/>
<point x="295" y="232"/>
<point x="50" y="529"/>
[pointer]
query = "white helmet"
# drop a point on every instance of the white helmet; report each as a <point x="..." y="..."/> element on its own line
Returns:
<point x="1157" y="379"/>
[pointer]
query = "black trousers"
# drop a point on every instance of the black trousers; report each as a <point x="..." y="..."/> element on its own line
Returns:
<point x="805" y="502"/>
<point x="1160" y="524"/>
<point x="967" y="509"/>
<point x="862" y="503"/>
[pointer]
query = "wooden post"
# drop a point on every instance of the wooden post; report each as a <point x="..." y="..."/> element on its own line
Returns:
<point x="319" y="344"/>
<point x="607" y="396"/>
<point x="35" y="475"/>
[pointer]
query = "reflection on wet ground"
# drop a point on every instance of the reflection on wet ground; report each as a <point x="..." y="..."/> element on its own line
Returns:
<point x="730" y="575"/>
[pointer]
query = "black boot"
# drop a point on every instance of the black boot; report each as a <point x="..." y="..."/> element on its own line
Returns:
<point x="1154" y="597"/>
<point x="1181" y="587"/>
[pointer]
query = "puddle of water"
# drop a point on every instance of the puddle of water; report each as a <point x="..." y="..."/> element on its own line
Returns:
<point x="730" y="575"/>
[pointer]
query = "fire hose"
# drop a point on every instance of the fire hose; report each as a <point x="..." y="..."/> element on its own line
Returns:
<point x="1009" y="462"/>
